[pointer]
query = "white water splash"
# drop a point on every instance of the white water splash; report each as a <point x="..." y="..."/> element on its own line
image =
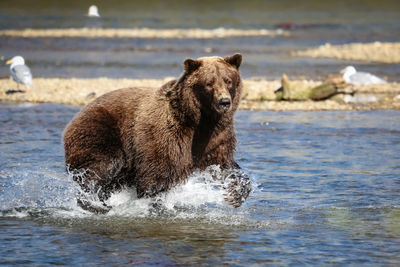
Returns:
<point x="50" y="193"/>
<point x="201" y="191"/>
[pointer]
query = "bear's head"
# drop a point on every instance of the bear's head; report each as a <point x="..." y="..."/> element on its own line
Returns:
<point x="214" y="82"/>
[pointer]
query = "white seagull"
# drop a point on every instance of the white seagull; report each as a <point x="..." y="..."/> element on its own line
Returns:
<point x="19" y="71"/>
<point x="93" y="11"/>
<point x="350" y="75"/>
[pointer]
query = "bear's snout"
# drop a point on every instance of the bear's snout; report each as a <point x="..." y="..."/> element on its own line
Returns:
<point x="224" y="103"/>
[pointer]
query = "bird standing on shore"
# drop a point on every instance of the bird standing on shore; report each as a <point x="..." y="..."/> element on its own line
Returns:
<point x="350" y="75"/>
<point x="20" y="72"/>
<point x="93" y="20"/>
<point x="93" y="11"/>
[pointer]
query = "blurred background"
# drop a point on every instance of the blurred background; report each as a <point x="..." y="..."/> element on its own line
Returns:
<point x="310" y="23"/>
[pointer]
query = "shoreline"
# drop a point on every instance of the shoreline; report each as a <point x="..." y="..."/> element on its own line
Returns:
<point x="258" y="93"/>
<point x="195" y="33"/>
<point x="378" y="52"/>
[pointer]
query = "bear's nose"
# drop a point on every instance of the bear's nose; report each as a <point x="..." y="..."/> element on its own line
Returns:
<point x="224" y="103"/>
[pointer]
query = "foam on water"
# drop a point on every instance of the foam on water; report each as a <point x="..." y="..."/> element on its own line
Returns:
<point x="200" y="198"/>
<point x="202" y="192"/>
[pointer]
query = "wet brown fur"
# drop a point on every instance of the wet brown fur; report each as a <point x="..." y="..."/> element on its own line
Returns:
<point x="153" y="139"/>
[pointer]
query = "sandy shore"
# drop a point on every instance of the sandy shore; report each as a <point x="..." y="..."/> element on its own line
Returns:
<point x="371" y="52"/>
<point x="258" y="94"/>
<point x="141" y="33"/>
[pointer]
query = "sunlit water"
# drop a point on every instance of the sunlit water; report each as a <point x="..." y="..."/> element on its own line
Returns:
<point x="326" y="191"/>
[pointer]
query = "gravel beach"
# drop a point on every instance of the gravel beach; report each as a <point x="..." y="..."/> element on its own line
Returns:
<point x="141" y="33"/>
<point x="258" y="93"/>
<point x="370" y="52"/>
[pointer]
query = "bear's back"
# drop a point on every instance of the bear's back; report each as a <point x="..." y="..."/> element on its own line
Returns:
<point x="124" y="102"/>
<point x="103" y="126"/>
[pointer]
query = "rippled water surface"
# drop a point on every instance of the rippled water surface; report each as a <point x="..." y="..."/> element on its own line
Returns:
<point x="326" y="191"/>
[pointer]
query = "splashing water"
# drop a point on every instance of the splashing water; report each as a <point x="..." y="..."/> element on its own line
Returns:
<point x="35" y="190"/>
<point x="46" y="192"/>
<point x="202" y="195"/>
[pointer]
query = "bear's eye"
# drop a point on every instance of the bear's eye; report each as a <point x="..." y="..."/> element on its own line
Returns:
<point x="228" y="82"/>
<point x="209" y="84"/>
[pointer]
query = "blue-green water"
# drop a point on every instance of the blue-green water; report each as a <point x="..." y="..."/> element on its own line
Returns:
<point x="326" y="191"/>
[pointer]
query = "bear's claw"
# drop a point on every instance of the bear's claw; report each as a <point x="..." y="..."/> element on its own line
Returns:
<point x="238" y="186"/>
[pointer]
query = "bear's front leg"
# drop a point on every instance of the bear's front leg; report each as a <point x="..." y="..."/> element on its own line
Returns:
<point x="237" y="185"/>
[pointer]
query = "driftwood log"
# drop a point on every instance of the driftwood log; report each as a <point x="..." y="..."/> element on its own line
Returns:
<point x="292" y="92"/>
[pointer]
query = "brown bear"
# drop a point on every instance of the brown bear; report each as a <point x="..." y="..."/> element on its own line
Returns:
<point x="154" y="139"/>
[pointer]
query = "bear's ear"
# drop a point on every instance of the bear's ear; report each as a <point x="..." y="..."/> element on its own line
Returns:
<point x="191" y="65"/>
<point x="234" y="60"/>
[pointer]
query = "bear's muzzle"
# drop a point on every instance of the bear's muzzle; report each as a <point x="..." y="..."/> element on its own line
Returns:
<point x="224" y="103"/>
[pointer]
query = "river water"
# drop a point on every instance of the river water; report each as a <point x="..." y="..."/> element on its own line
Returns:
<point x="326" y="191"/>
<point x="326" y="184"/>
<point x="309" y="22"/>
